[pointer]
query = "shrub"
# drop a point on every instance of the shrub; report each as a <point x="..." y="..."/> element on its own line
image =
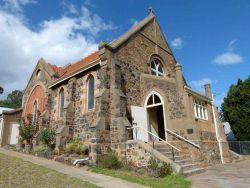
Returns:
<point x="165" y="170"/>
<point x="47" y="136"/>
<point x="75" y="146"/>
<point x="109" y="160"/>
<point x="159" y="170"/>
<point x="43" y="150"/>
<point x="70" y="147"/>
<point x="26" y="132"/>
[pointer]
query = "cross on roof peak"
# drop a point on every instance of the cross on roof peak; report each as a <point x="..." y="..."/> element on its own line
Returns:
<point x="151" y="10"/>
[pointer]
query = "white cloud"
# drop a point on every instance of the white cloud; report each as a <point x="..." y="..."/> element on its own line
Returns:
<point x="177" y="43"/>
<point x="228" y="58"/>
<point x="16" y="6"/>
<point x="198" y="85"/>
<point x="69" y="8"/>
<point x="59" y="41"/>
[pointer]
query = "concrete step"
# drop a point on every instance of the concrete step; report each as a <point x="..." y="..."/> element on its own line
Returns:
<point x="193" y="171"/>
<point x="183" y="161"/>
<point x="176" y="157"/>
<point x="164" y="150"/>
<point x="189" y="166"/>
<point x="170" y="154"/>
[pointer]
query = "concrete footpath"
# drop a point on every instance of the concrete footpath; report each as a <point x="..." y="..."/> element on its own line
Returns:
<point x="232" y="175"/>
<point x="80" y="173"/>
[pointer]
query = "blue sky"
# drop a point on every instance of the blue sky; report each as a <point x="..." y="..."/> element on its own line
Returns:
<point x="210" y="39"/>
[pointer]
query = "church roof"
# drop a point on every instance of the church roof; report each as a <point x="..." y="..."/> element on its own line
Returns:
<point x="71" y="68"/>
<point x="116" y="43"/>
<point x="63" y="72"/>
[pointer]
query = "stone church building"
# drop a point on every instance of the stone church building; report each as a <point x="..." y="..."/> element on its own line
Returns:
<point x="129" y="94"/>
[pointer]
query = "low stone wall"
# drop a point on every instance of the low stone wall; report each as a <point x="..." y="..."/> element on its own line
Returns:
<point x="139" y="153"/>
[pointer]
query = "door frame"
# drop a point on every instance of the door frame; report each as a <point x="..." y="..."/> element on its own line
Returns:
<point x="154" y="105"/>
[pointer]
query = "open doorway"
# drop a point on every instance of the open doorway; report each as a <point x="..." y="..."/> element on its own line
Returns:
<point x="156" y="120"/>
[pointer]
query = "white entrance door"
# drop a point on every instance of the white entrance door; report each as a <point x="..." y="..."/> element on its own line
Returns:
<point x="139" y="115"/>
<point x="14" y="132"/>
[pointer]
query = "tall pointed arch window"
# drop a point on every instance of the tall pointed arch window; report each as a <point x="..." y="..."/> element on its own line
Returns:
<point x="90" y="92"/>
<point x="34" y="112"/>
<point x="61" y="102"/>
<point x="156" y="67"/>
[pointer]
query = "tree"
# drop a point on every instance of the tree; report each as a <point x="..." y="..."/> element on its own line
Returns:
<point x="1" y="90"/>
<point x="236" y="109"/>
<point x="14" y="100"/>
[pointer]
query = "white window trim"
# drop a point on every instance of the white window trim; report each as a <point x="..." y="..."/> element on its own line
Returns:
<point x="157" y="64"/>
<point x="200" y="110"/>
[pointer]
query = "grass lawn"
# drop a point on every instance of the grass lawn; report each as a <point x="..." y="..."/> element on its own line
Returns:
<point x="15" y="172"/>
<point x="166" y="182"/>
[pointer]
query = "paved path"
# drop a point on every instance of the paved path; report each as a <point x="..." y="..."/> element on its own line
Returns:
<point x="81" y="173"/>
<point x="233" y="175"/>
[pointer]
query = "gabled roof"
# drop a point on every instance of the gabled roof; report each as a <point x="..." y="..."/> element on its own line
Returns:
<point x="65" y="72"/>
<point x="69" y="69"/>
<point x="197" y="94"/>
<point x="116" y="43"/>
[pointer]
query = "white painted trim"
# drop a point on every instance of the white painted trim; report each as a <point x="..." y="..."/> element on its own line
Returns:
<point x="162" y="103"/>
<point x="217" y="131"/>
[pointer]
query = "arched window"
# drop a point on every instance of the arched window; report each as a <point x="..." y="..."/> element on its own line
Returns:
<point x="90" y="92"/>
<point x="34" y="112"/>
<point x="61" y="102"/>
<point x="156" y="67"/>
<point x="154" y="100"/>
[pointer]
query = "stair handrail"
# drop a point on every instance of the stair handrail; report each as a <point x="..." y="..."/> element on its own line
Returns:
<point x="134" y="127"/>
<point x="182" y="138"/>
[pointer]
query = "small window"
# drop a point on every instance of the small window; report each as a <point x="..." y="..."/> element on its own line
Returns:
<point x="156" y="67"/>
<point x="34" y="112"/>
<point x="90" y="94"/>
<point x="200" y="110"/>
<point x="61" y="103"/>
<point x="38" y="73"/>
<point x="153" y="100"/>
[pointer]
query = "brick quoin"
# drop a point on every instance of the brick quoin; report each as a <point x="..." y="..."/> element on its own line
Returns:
<point x="38" y="94"/>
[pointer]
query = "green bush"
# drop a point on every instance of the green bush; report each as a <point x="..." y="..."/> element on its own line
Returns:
<point x="47" y="136"/>
<point x="70" y="147"/>
<point x="75" y="146"/>
<point x="43" y="150"/>
<point x="109" y="160"/>
<point x="26" y="132"/>
<point x="165" y="170"/>
<point x="159" y="170"/>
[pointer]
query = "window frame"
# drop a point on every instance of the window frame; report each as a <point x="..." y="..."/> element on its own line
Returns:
<point x="157" y="63"/>
<point x="200" y="109"/>
<point x="93" y="95"/>
<point x="34" y="111"/>
<point x="60" y="107"/>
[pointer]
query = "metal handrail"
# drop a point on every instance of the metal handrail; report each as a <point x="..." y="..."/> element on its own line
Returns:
<point x="182" y="138"/>
<point x="134" y="127"/>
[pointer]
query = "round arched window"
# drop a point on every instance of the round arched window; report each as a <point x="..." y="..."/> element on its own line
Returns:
<point x="156" y="67"/>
